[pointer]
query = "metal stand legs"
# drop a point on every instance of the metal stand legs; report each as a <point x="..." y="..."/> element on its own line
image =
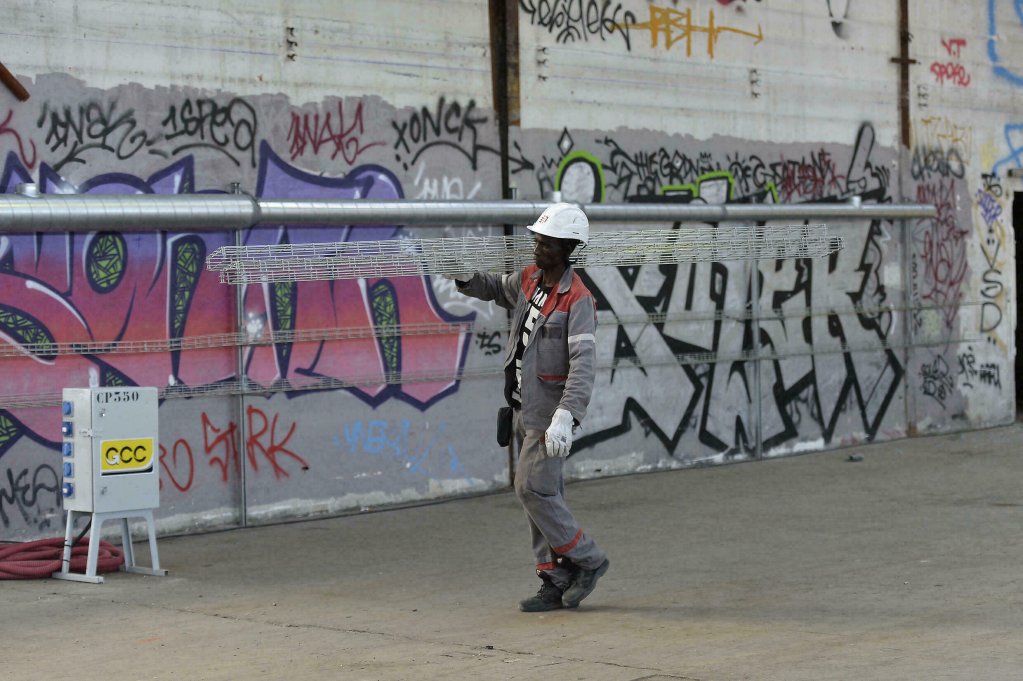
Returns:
<point x="98" y="519"/>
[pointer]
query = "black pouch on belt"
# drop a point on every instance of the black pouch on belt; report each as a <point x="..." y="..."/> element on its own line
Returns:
<point x="504" y="426"/>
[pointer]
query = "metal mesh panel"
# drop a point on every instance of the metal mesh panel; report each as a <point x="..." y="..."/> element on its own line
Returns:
<point x="418" y="257"/>
<point x="307" y="383"/>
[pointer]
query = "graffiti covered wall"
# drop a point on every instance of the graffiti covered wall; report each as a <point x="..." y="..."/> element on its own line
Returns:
<point x="908" y="329"/>
<point x="289" y="400"/>
<point x="141" y="309"/>
<point x="826" y="333"/>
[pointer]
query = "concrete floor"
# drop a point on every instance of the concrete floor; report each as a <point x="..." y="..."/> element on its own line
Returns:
<point x="905" y="565"/>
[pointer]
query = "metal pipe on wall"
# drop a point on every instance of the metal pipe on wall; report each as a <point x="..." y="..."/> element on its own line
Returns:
<point x="12" y="84"/>
<point x="29" y="211"/>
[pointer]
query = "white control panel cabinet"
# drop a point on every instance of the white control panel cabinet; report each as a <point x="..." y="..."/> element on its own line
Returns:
<point x="110" y="449"/>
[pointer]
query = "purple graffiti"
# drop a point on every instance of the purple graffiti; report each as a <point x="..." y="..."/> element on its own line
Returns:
<point x="67" y="300"/>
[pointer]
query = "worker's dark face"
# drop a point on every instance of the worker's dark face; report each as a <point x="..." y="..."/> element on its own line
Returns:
<point x="548" y="251"/>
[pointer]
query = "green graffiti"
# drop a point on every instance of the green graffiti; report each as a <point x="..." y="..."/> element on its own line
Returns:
<point x="695" y="190"/>
<point x="112" y="378"/>
<point x="581" y="178"/>
<point x="188" y="257"/>
<point x="283" y="296"/>
<point x="10" y="432"/>
<point x="27" y="331"/>
<point x="384" y="307"/>
<point x="105" y="261"/>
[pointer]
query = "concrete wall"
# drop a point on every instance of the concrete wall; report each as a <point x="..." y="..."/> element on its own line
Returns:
<point x="909" y="329"/>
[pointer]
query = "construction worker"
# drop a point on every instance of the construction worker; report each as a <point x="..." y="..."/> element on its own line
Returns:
<point x="549" y="371"/>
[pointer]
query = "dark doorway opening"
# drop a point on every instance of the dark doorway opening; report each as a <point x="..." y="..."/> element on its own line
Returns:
<point x="1017" y="227"/>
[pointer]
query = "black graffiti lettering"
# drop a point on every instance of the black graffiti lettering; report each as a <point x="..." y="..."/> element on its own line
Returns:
<point x="645" y="173"/>
<point x="227" y="128"/>
<point x="28" y="491"/>
<point x="935" y="380"/>
<point x="990" y="317"/>
<point x="838" y="20"/>
<point x="91" y="127"/>
<point x="987" y="374"/>
<point x="400" y="140"/>
<point x="992" y="287"/>
<point x="931" y="161"/>
<point x="992" y="184"/>
<point x="991" y="374"/>
<point x="579" y="20"/>
<point x="967" y="368"/>
<point x="455" y="112"/>
<point x="95" y="126"/>
<point x="489" y="342"/>
<point x="715" y="390"/>
<point x="448" y="125"/>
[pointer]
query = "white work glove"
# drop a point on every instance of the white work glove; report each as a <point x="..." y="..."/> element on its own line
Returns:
<point x="559" y="436"/>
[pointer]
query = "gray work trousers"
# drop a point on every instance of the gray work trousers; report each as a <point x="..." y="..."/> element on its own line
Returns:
<point x="540" y="486"/>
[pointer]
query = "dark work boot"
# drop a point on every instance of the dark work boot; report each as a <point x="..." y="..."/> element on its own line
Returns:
<point x="583" y="585"/>
<point x="547" y="598"/>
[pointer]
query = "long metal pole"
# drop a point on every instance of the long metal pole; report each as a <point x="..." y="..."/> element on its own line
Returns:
<point x="30" y="211"/>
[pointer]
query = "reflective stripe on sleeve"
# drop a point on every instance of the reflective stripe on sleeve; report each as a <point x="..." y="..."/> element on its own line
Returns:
<point x="580" y="337"/>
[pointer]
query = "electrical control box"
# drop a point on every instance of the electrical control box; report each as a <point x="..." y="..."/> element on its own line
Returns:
<point x="110" y="450"/>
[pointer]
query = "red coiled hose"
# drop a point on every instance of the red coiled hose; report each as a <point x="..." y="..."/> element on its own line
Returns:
<point x="41" y="558"/>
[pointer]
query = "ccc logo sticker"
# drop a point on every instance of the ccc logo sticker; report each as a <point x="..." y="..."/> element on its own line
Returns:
<point x="126" y="456"/>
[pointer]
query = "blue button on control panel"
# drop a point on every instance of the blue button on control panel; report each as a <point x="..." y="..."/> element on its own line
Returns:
<point x="68" y="449"/>
<point x="68" y="469"/>
<point x="67" y="408"/>
<point x="68" y="489"/>
<point x="67" y="428"/>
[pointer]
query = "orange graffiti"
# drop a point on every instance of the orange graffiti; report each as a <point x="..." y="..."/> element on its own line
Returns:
<point x="676" y="26"/>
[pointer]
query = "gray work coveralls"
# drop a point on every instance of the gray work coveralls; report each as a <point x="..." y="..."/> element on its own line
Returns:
<point x="557" y="372"/>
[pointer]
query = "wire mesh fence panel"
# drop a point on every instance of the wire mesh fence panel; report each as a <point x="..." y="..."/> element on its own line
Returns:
<point x="453" y="256"/>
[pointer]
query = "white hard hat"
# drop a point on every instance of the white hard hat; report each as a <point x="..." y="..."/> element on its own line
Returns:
<point x="563" y="221"/>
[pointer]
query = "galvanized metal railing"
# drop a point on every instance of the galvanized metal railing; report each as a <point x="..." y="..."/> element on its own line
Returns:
<point x="30" y="211"/>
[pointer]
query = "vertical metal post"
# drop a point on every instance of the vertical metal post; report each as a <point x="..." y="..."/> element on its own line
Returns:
<point x="758" y="407"/>
<point x="910" y="334"/>
<point x="513" y="455"/>
<point x="239" y="312"/>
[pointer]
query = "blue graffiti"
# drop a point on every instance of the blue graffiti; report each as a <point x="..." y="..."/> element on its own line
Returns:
<point x="380" y="438"/>
<point x="1015" y="155"/>
<point x="992" y="41"/>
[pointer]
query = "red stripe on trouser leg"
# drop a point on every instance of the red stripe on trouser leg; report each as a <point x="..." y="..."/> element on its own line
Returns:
<point x="545" y="566"/>
<point x="570" y="545"/>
